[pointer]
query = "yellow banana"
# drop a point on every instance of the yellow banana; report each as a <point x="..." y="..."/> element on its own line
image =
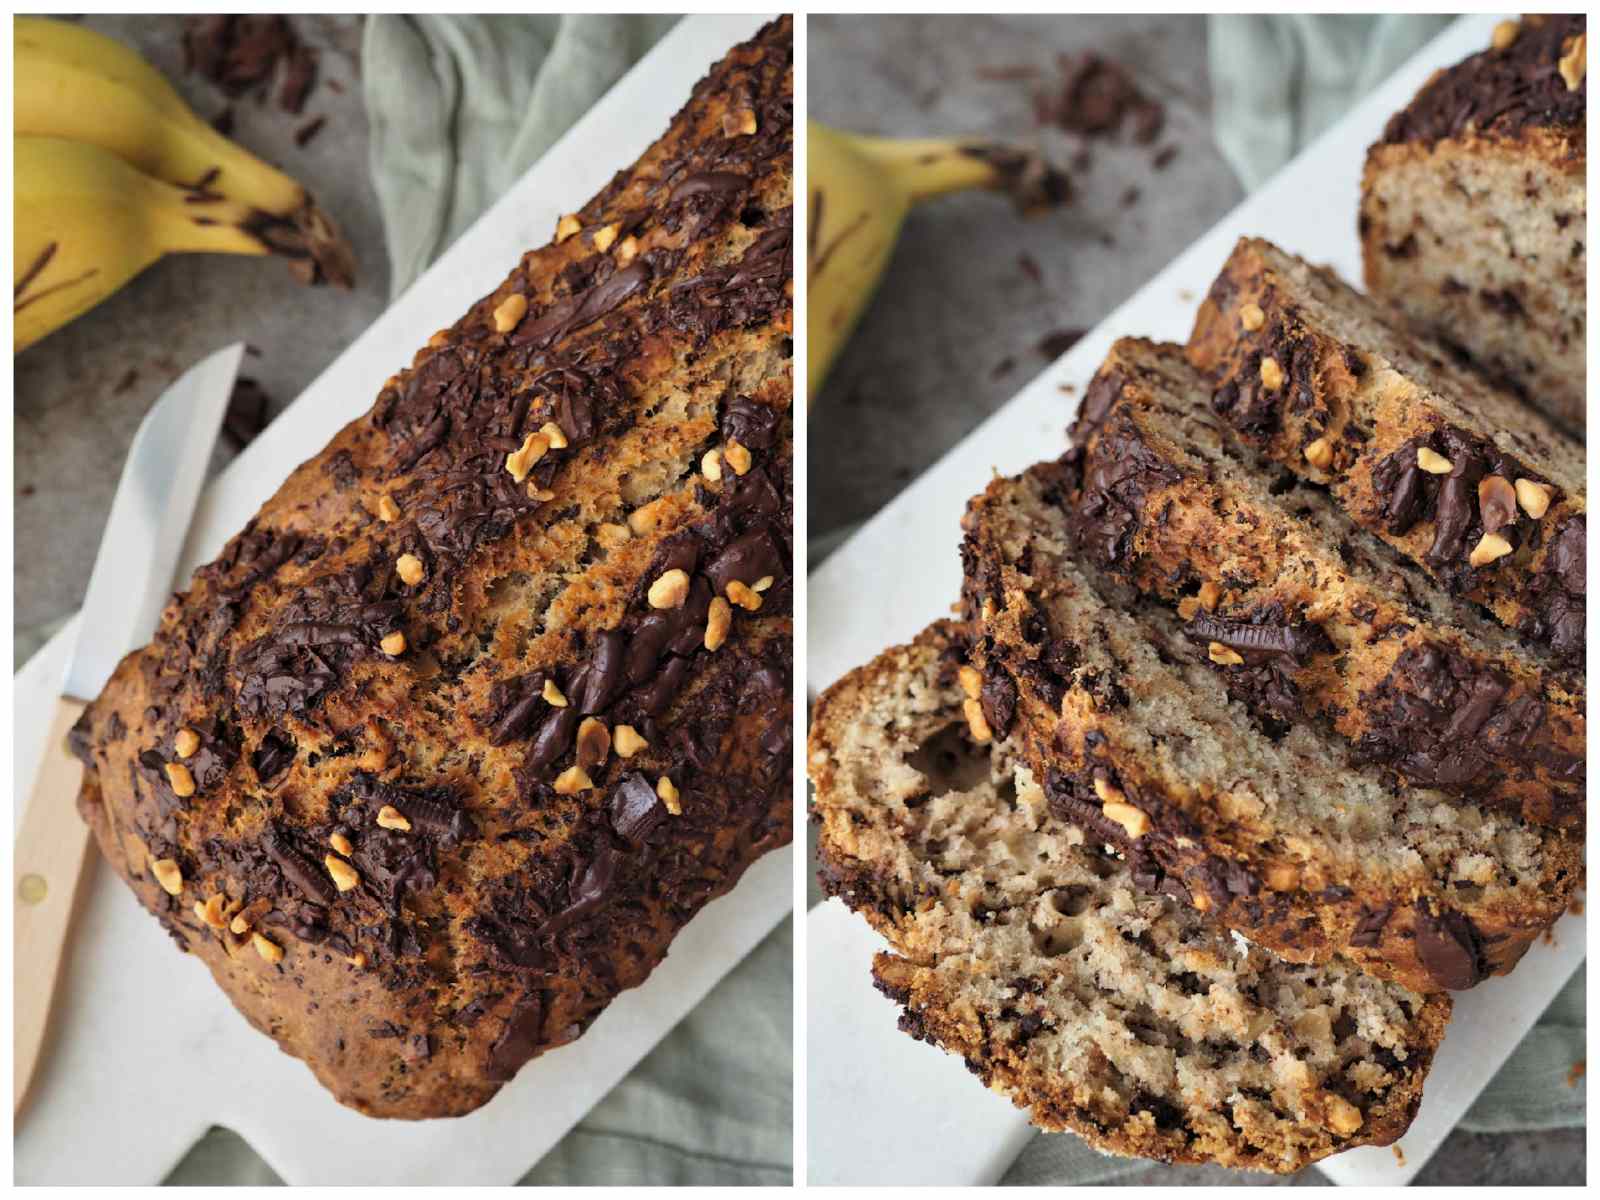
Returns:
<point x="74" y="83"/>
<point x="84" y="223"/>
<point x="861" y="189"/>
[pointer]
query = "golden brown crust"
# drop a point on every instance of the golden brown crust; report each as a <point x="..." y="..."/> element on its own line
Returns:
<point x="1373" y="408"/>
<point x="424" y="667"/>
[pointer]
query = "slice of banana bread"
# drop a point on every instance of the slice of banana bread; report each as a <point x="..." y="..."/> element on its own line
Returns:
<point x="1306" y="616"/>
<point x="1416" y="449"/>
<point x="1023" y="946"/>
<point x="1474" y="207"/>
<point x="1134" y="737"/>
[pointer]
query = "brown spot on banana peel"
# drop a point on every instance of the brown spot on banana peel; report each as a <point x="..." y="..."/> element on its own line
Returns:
<point x="19" y="304"/>
<point x="38" y="265"/>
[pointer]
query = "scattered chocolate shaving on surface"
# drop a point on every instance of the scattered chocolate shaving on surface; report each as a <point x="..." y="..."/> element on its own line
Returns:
<point x="129" y="378"/>
<point x="1056" y="344"/>
<point x="248" y="413"/>
<point x="1003" y="368"/>
<point x="309" y="130"/>
<point x="1164" y="157"/>
<point x="241" y="55"/>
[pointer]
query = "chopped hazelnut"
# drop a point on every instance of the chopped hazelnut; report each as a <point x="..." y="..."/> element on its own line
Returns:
<point x="358" y="959"/>
<point x="594" y="742"/>
<point x="553" y="695"/>
<point x="1283" y="877"/>
<point x="627" y="250"/>
<point x="745" y="597"/>
<point x="737" y="457"/>
<point x="1497" y="502"/>
<point x="180" y="779"/>
<point x="1131" y="819"/>
<point x="605" y="235"/>
<point x="971" y="681"/>
<point x="1271" y="374"/>
<point x="711" y="465"/>
<point x="739" y="123"/>
<point x="1208" y="595"/>
<point x="668" y="791"/>
<point x="976" y="721"/>
<point x="555" y="435"/>
<point x="1251" y="316"/>
<point x="253" y="912"/>
<point x="1223" y="656"/>
<point x="719" y="619"/>
<point x="342" y="844"/>
<point x="1490" y="547"/>
<point x="390" y="817"/>
<point x="1107" y="792"/>
<point x="267" y="948"/>
<point x="1201" y="902"/>
<point x="542" y="495"/>
<point x="645" y="518"/>
<point x="572" y="781"/>
<point x="393" y="644"/>
<point x="211" y="911"/>
<point x="1574" y="62"/>
<point x="566" y="227"/>
<point x="626" y="740"/>
<point x="1504" y="35"/>
<point x="1533" y="497"/>
<point x="344" y="875"/>
<point x="520" y="461"/>
<point x="1188" y="607"/>
<point x="763" y="584"/>
<point x="1319" y="453"/>
<point x="388" y="510"/>
<point x="1343" y="1117"/>
<point x="186" y="742"/>
<point x="1433" y="462"/>
<point x="670" y="590"/>
<point x="409" y="568"/>
<point x="509" y="313"/>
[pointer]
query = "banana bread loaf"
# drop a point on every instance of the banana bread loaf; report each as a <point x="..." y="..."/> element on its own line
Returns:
<point x="1023" y="946"/>
<point x="1274" y="833"/>
<point x="1416" y="450"/>
<point x="494" y="694"/>
<point x="1474" y="206"/>
<point x="1305" y="616"/>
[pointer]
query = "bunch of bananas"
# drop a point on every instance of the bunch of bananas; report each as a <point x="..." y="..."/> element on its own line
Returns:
<point x="113" y="171"/>
<point x="861" y="189"/>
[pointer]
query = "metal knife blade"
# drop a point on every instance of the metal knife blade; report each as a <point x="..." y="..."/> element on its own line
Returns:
<point x="149" y="519"/>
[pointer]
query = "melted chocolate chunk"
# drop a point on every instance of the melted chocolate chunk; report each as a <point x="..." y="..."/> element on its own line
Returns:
<point x="634" y="808"/>
<point x="1448" y="946"/>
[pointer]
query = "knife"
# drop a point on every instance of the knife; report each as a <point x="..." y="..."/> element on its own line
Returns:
<point x="132" y="576"/>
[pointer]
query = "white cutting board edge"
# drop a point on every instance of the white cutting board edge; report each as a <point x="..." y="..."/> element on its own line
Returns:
<point x="1310" y="208"/>
<point x="148" y="1053"/>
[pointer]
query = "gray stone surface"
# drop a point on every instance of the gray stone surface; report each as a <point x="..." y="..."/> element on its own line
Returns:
<point x="74" y="417"/>
<point x="956" y="326"/>
<point x="930" y="360"/>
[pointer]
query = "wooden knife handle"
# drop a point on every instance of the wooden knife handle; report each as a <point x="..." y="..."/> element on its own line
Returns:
<point x="52" y="854"/>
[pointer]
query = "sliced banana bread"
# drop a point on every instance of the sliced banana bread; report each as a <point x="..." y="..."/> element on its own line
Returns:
<point x="1135" y="737"/>
<point x="1474" y="207"/>
<point x="1305" y="615"/>
<point x="1026" y="948"/>
<point x="1416" y="449"/>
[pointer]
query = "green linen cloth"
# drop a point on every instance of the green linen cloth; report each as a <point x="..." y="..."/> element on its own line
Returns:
<point x="460" y="107"/>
